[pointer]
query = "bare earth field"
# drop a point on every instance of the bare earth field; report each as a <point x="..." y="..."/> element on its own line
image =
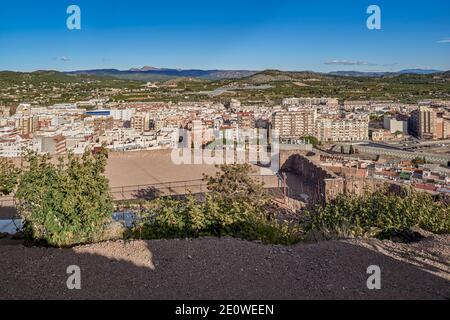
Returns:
<point x="150" y="167"/>
<point x="155" y="167"/>
<point x="228" y="269"/>
<point x="154" y="172"/>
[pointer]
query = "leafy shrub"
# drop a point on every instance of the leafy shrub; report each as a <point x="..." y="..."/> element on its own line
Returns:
<point x="67" y="203"/>
<point x="9" y="176"/>
<point x="380" y="214"/>
<point x="236" y="206"/>
<point x="312" y="140"/>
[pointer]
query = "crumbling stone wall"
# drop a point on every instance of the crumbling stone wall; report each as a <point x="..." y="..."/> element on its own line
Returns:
<point x="321" y="184"/>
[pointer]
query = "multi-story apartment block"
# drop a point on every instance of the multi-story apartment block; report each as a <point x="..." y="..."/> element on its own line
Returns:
<point x="141" y="121"/>
<point x="309" y="102"/>
<point x="27" y="124"/>
<point x="122" y="114"/>
<point x="348" y="129"/>
<point x="295" y="124"/>
<point x="54" y="145"/>
<point x="15" y="147"/>
<point x="423" y="122"/>
<point x="356" y="105"/>
<point x="159" y="124"/>
<point x="246" y="120"/>
<point x="442" y="127"/>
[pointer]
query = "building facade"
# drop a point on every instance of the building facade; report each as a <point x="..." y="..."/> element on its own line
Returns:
<point x="423" y="123"/>
<point x="295" y="124"/>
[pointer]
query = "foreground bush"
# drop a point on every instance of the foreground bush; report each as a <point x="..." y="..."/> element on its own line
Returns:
<point x="9" y="176"/>
<point x="381" y="214"/>
<point x="236" y="206"/>
<point x="67" y="203"/>
<point x="188" y="218"/>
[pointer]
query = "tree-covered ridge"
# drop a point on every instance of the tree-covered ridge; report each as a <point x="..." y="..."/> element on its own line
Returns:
<point x="61" y="87"/>
<point x="54" y="77"/>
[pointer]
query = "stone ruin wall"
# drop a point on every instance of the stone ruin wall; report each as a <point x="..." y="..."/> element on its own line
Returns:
<point x="322" y="184"/>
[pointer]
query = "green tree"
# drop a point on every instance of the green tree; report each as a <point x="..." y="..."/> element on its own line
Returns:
<point x="234" y="183"/>
<point x="66" y="203"/>
<point x="418" y="161"/>
<point x="312" y="140"/>
<point x="9" y="175"/>
<point x="237" y="205"/>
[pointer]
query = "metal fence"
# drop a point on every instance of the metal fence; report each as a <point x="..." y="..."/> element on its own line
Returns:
<point x="7" y="208"/>
<point x="177" y="188"/>
<point x="152" y="191"/>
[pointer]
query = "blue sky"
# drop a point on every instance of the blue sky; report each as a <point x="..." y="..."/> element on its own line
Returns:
<point x="321" y="35"/>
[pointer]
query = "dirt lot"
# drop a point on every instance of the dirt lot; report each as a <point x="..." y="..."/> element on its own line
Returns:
<point x="228" y="269"/>
<point x="150" y="167"/>
<point x="154" y="167"/>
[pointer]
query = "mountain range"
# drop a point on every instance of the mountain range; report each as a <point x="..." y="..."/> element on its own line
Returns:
<point x="149" y="73"/>
<point x="382" y="74"/>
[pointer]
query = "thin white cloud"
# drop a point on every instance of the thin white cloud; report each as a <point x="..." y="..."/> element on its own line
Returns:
<point x="389" y="64"/>
<point x="447" y="40"/>
<point x="347" y="63"/>
<point x="337" y="62"/>
<point x="65" y="59"/>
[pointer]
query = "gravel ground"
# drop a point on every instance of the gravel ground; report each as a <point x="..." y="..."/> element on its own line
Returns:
<point x="228" y="269"/>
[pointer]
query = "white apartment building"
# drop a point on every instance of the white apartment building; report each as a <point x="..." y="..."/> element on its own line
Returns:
<point x="122" y="114"/>
<point x="331" y="129"/>
<point x="16" y="147"/>
<point x="394" y="125"/>
<point x="309" y="102"/>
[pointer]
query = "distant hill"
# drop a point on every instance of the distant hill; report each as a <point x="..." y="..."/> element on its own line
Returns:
<point x="357" y="74"/>
<point x="382" y="74"/>
<point x="276" y="75"/>
<point x="156" y="74"/>
<point x="149" y="73"/>
<point x="8" y="78"/>
<point x="145" y="68"/>
<point x="12" y="77"/>
<point x="444" y="75"/>
<point x="419" y="71"/>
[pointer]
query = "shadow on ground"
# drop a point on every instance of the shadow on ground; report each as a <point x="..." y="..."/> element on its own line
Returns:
<point x="213" y="269"/>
